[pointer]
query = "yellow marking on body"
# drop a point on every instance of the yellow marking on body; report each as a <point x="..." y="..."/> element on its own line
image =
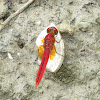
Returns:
<point x="41" y="51"/>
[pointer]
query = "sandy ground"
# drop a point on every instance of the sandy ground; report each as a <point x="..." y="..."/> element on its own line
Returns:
<point x="79" y="76"/>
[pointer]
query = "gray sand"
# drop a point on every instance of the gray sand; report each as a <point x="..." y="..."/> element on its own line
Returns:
<point x="79" y="76"/>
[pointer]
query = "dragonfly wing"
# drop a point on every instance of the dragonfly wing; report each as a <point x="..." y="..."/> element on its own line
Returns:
<point x="40" y="51"/>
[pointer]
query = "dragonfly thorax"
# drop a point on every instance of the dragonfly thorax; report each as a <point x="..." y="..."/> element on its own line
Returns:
<point x="49" y="41"/>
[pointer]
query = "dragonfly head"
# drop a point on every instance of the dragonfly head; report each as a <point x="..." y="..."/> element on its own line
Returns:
<point x="52" y="30"/>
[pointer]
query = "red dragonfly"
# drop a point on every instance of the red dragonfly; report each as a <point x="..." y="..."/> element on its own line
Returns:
<point x="45" y="51"/>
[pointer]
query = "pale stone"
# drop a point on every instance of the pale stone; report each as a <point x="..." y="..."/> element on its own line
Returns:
<point x="65" y="28"/>
<point x="10" y="56"/>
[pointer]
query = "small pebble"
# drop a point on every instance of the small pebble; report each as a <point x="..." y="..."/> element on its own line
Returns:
<point x="76" y="98"/>
<point x="98" y="20"/>
<point x="98" y="73"/>
<point x="15" y="33"/>
<point x="18" y="54"/>
<point x="10" y="56"/>
<point x="65" y="28"/>
<point x="83" y="26"/>
<point x="46" y="86"/>
<point x="70" y="1"/>
<point x="2" y="50"/>
<point x="41" y="91"/>
<point x="38" y="23"/>
<point x="54" y="13"/>
<point x="10" y="42"/>
<point x="36" y="13"/>
<point x="21" y="43"/>
<point x="68" y="62"/>
<point x="22" y="1"/>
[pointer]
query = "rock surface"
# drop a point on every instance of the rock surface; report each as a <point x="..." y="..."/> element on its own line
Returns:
<point x="3" y="9"/>
<point x="79" y="76"/>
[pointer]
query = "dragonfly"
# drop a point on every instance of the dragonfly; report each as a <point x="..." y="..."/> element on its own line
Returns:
<point x="46" y="51"/>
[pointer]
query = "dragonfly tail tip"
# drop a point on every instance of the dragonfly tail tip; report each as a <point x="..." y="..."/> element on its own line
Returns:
<point x="36" y="85"/>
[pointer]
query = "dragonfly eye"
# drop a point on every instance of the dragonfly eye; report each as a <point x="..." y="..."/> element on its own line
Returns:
<point x="52" y="30"/>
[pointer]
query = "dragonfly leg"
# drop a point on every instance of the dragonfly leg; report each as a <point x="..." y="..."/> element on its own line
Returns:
<point x="58" y="53"/>
<point x="58" y="41"/>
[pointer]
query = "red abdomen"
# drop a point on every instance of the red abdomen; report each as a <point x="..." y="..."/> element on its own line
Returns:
<point x="48" y="46"/>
